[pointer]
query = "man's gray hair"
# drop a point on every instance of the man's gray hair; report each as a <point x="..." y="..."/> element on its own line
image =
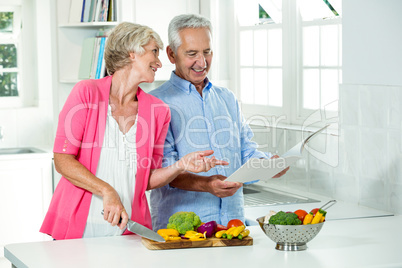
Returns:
<point x="184" y="21"/>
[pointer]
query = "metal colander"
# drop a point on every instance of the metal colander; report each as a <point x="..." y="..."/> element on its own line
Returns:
<point x="290" y="237"/>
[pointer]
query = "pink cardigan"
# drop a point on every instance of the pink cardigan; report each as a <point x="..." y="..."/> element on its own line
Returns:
<point x="80" y="132"/>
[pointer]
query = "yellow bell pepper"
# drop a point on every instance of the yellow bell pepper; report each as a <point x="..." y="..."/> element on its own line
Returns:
<point x="308" y="218"/>
<point x="197" y="238"/>
<point x="318" y="216"/>
<point x="229" y="233"/>
<point x="238" y="230"/>
<point x="171" y="238"/>
<point x="243" y="234"/>
<point x="168" y="232"/>
<point x="194" y="236"/>
<point x="219" y="233"/>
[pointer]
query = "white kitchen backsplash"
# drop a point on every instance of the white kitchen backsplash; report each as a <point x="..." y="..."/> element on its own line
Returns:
<point x="365" y="161"/>
<point x="8" y="119"/>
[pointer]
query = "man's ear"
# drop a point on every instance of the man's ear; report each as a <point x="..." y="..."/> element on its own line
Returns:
<point x="132" y="55"/>
<point x="171" y="55"/>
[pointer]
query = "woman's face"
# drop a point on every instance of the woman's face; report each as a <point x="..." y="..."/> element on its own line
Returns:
<point x="147" y="64"/>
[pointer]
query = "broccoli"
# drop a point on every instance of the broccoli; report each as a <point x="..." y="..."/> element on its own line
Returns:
<point x="184" y="221"/>
<point x="282" y="218"/>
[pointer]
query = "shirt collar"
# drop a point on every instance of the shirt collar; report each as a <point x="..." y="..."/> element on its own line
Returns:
<point x="185" y="85"/>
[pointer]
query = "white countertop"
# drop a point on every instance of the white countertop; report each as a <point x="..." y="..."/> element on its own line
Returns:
<point x="40" y="152"/>
<point x="340" y="211"/>
<point x="364" y="242"/>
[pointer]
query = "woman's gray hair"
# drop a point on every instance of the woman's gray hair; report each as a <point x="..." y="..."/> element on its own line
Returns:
<point x="124" y="39"/>
<point x="184" y="21"/>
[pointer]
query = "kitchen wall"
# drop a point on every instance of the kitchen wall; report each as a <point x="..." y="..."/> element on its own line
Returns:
<point x="366" y="166"/>
<point x="371" y="100"/>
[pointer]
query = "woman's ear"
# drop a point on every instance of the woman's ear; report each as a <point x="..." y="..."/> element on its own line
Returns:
<point x="171" y="55"/>
<point x="132" y="55"/>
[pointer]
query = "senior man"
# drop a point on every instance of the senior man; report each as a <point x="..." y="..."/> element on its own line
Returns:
<point x="203" y="117"/>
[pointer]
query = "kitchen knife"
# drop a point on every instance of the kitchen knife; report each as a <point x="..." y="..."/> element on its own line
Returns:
<point x="143" y="231"/>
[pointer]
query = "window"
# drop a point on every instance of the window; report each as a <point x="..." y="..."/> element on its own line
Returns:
<point x="289" y="58"/>
<point x="10" y="55"/>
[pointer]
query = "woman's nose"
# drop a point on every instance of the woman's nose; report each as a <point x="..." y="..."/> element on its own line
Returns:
<point x="159" y="63"/>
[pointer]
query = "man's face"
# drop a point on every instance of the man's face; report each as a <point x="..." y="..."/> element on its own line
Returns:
<point x="194" y="56"/>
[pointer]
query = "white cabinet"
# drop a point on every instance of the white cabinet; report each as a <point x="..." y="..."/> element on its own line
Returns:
<point x="25" y="194"/>
<point x="157" y="15"/>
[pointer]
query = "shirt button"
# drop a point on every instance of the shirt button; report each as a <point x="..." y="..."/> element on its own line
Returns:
<point x="223" y="213"/>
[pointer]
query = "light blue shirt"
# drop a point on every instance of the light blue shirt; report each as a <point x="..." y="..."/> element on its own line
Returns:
<point x="212" y="121"/>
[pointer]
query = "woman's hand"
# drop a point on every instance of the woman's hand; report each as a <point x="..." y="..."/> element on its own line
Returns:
<point x="192" y="162"/>
<point x="113" y="209"/>
<point x="198" y="162"/>
<point x="68" y="166"/>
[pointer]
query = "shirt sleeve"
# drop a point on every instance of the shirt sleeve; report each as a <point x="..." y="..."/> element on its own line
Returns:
<point x="158" y="151"/>
<point x="170" y="154"/>
<point x="248" y="147"/>
<point x="71" y="124"/>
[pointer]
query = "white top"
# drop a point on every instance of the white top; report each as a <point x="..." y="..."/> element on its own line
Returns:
<point x="117" y="166"/>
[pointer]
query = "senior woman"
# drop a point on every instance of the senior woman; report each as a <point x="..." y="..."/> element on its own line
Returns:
<point x="109" y="143"/>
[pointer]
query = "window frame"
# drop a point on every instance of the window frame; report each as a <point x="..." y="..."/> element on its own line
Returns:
<point x="300" y="114"/>
<point x="13" y="38"/>
<point x="291" y="113"/>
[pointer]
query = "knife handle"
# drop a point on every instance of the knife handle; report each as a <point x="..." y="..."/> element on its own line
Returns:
<point x="119" y="220"/>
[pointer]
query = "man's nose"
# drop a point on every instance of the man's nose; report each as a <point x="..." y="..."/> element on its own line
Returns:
<point x="201" y="61"/>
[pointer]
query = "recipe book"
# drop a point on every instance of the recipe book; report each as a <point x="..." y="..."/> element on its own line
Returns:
<point x="256" y="169"/>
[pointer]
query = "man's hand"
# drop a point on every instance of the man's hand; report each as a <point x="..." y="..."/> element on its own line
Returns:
<point x="221" y="188"/>
<point x="283" y="172"/>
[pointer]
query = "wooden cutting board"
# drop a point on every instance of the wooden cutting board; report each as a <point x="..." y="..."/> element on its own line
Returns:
<point x="209" y="242"/>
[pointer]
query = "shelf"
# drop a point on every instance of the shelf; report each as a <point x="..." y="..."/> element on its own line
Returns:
<point x="89" y="24"/>
<point x="69" y="80"/>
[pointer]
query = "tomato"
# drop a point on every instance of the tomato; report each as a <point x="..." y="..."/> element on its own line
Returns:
<point x="314" y="211"/>
<point x="235" y="223"/>
<point x="301" y="214"/>
<point x="221" y="227"/>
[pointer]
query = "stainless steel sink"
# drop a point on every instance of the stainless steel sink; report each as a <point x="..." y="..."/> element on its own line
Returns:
<point x="256" y="195"/>
<point x="22" y="150"/>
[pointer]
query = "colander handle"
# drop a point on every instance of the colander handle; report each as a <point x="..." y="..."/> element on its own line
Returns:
<point x="328" y="204"/>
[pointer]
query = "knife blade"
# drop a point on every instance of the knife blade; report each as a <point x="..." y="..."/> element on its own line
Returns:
<point x="141" y="230"/>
